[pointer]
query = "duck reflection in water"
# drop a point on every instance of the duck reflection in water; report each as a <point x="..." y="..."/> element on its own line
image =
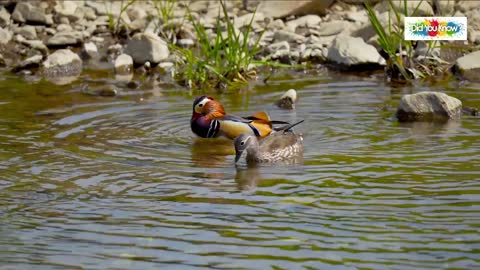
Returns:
<point x="211" y="153"/>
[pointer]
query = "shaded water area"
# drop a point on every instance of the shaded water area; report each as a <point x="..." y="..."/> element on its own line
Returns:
<point x="121" y="182"/>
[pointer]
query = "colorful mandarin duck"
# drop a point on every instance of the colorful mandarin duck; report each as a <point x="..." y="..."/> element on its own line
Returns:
<point x="283" y="146"/>
<point x="209" y="120"/>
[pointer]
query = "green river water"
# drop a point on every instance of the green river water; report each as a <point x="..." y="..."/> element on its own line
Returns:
<point x="89" y="182"/>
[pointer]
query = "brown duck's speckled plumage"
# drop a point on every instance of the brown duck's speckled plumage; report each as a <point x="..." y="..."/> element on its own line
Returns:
<point x="285" y="147"/>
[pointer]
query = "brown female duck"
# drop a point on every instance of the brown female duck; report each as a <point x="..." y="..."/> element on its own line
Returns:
<point x="281" y="146"/>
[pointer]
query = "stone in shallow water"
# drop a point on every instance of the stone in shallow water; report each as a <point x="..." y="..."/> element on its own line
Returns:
<point x="428" y="106"/>
<point x="62" y="63"/>
<point x="31" y="62"/>
<point x="90" y="50"/>
<point x="123" y="64"/>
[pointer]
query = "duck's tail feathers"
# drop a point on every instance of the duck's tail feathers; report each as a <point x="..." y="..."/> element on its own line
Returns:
<point x="288" y="127"/>
<point x="259" y="116"/>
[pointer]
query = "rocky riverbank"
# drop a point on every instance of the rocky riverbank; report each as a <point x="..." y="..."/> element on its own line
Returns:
<point x="60" y="39"/>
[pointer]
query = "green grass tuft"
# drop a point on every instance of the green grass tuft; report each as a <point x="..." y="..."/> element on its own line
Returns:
<point x="226" y="59"/>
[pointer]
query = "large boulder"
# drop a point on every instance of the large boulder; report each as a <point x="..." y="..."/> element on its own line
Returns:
<point x="62" y="63"/>
<point x="351" y="51"/>
<point x="428" y="106"/>
<point x="147" y="47"/>
<point x="468" y="65"/>
<point x="281" y="9"/>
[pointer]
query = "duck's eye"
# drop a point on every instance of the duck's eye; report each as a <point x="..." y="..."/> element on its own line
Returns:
<point x="242" y="143"/>
<point x="200" y="105"/>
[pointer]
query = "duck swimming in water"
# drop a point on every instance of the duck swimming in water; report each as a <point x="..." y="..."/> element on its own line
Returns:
<point x="278" y="146"/>
<point x="209" y="120"/>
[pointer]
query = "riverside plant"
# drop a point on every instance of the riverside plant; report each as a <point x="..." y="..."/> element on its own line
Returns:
<point x="227" y="59"/>
<point x="164" y="9"/>
<point x="115" y="25"/>
<point x="401" y="63"/>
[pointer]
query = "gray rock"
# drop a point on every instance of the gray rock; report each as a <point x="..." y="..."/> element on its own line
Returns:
<point x="166" y="66"/>
<point x="185" y="42"/>
<point x="5" y="36"/>
<point x="115" y="49"/>
<point x="99" y="7"/>
<point x="468" y="65"/>
<point x="360" y="16"/>
<point x="62" y="63"/>
<point x="31" y="62"/>
<point x="282" y="35"/>
<point x="37" y="45"/>
<point x="136" y="13"/>
<point x="66" y="8"/>
<point x="360" y="2"/>
<point x="90" y="49"/>
<point x="428" y="106"/>
<point x="64" y="28"/>
<point x="145" y="47"/>
<point x="281" y="9"/>
<point x="444" y="7"/>
<point x="26" y="12"/>
<point x="332" y="28"/>
<point x="2" y="61"/>
<point x="282" y="45"/>
<point x="138" y="25"/>
<point x="199" y="6"/>
<point x="276" y="24"/>
<point x="27" y="32"/>
<point x="70" y="10"/>
<point x="103" y="90"/>
<point x="304" y="21"/>
<point x="66" y="39"/>
<point x="464" y="5"/>
<point x="422" y="50"/>
<point x="474" y="36"/>
<point x="123" y="64"/>
<point x="244" y="20"/>
<point x="366" y="30"/>
<point x="97" y="39"/>
<point x="4" y="17"/>
<point x="352" y="51"/>
<point x="88" y="13"/>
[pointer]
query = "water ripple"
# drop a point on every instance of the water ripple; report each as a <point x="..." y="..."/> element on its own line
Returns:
<point x="116" y="184"/>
